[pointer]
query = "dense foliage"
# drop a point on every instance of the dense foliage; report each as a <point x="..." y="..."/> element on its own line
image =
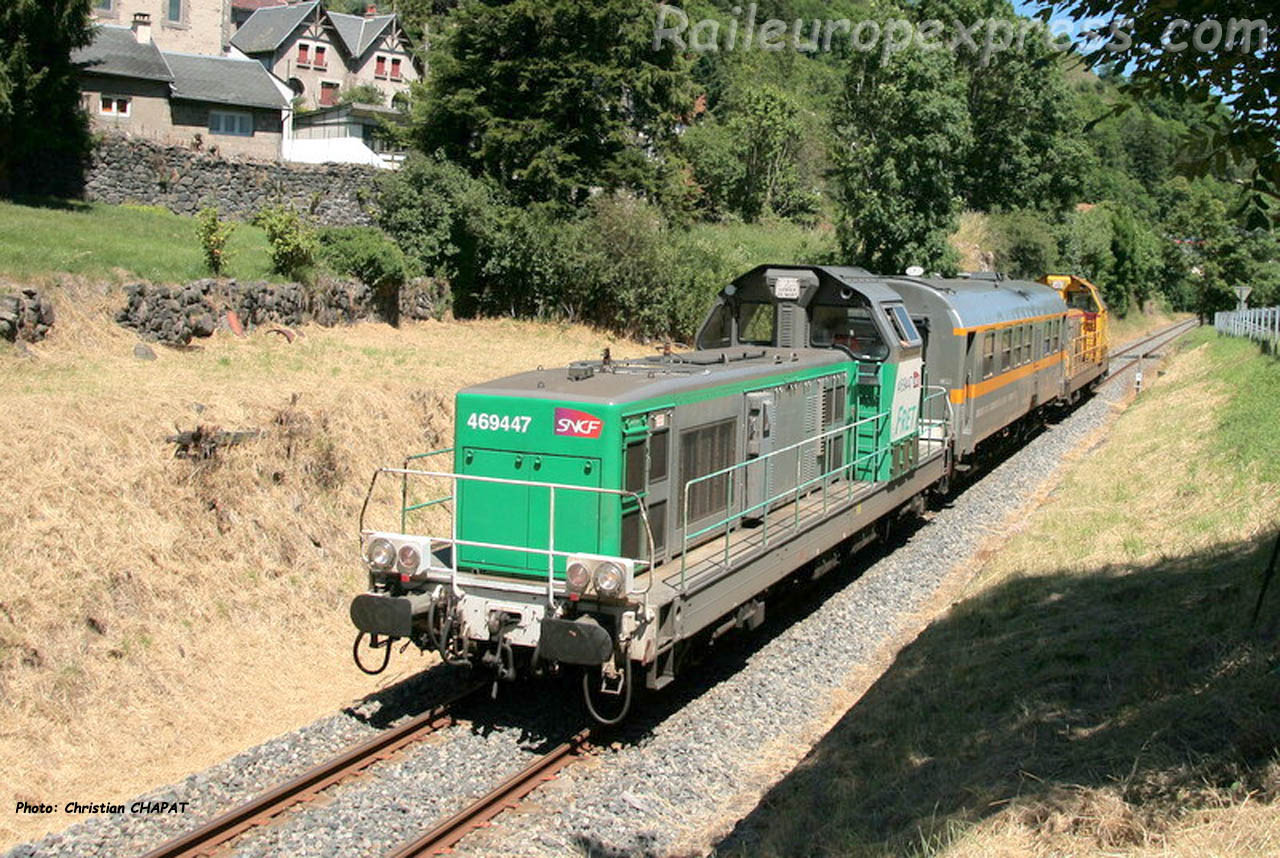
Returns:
<point x="550" y="99"/>
<point x="43" y="132"/>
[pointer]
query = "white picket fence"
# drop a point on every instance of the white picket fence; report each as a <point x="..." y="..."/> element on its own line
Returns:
<point x="1261" y="324"/>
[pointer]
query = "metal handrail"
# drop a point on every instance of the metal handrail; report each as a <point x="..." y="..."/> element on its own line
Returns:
<point x="405" y="508"/>
<point x="800" y="487"/>
<point x="550" y="552"/>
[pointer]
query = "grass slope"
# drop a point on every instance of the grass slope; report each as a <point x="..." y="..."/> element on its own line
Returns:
<point x="114" y="242"/>
<point x="1100" y="691"/>
<point x="148" y="603"/>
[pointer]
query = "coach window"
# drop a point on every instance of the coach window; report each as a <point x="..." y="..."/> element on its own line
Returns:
<point x="1006" y="348"/>
<point x="1048" y="338"/>
<point x="1057" y="335"/>
<point x="988" y="354"/>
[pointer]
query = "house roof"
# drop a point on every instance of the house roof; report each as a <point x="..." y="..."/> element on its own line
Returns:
<point x="268" y="27"/>
<point x="256" y="4"/>
<point x="116" y="51"/>
<point x="224" y="80"/>
<point x="357" y="32"/>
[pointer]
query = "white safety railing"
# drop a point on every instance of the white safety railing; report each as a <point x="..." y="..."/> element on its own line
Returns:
<point x="1261" y="324"/>
<point x="453" y="543"/>
<point x="836" y="483"/>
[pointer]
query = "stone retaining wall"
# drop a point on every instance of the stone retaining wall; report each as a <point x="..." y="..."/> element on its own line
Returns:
<point x="25" y="316"/>
<point x="133" y="170"/>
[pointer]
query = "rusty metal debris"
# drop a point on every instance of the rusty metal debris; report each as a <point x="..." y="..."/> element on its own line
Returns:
<point x="203" y="442"/>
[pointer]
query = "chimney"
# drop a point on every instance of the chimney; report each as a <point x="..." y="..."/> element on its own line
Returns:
<point x="142" y="27"/>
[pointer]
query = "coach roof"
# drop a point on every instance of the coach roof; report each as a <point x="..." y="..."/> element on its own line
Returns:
<point x="983" y="300"/>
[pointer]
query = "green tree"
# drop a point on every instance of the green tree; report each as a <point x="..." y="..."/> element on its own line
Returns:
<point x="902" y="132"/>
<point x="1230" y="72"/>
<point x="553" y="98"/>
<point x="43" y="132"/>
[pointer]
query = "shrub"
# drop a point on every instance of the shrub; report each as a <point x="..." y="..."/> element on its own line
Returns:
<point x="366" y="253"/>
<point x="1025" y="244"/>
<point x="292" y="241"/>
<point x="214" y="234"/>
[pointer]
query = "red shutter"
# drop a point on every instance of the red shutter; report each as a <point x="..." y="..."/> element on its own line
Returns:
<point x="395" y="69"/>
<point x="304" y="55"/>
<point x="320" y="52"/>
<point x="328" y="94"/>
<point x="381" y="68"/>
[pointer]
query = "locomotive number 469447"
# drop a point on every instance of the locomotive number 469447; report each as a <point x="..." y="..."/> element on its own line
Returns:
<point x="498" y="423"/>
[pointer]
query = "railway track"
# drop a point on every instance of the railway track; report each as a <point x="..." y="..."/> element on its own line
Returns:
<point x="216" y="833"/>
<point x="1138" y="350"/>
<point x="505" y="796"/>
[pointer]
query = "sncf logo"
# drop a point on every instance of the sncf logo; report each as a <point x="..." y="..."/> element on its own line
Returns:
<point x="579" y="424"/>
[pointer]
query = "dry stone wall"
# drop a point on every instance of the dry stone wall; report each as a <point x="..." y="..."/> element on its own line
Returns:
<point x="27" y="316"/>
<point x="133" y="170"/>
<point x="177" y="314"/>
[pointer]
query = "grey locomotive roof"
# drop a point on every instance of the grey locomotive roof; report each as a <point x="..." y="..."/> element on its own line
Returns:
<point x="268" y="27"/>
<point x="357" y="32"/>
<point x="224" y="80"/>
<point x="981" y="301"/>
<point x="651" y="378"/>
<point x="116" y="51"/>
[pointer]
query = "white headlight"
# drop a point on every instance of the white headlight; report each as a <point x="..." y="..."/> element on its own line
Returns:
<point x="408" y="559"/>
<point x="381" y="553"/>
<point x="609" y="579"/>
<point x="577" y="577"/>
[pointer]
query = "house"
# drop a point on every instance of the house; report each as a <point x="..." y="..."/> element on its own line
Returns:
<point x="193" y="26"/>
<point x="345" y="133"/>
<point x="320" y="53"/>
<point x="228" y="104"/>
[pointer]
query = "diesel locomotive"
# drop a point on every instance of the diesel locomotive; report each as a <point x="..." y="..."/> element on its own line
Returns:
<point x="613" y="515"/>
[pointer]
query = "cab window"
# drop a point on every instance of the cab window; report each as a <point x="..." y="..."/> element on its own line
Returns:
<point x="717" y="333"/>
<point x="848" y="328"/>
<point x="755" y="323"/>
<point x="902" y="323"/>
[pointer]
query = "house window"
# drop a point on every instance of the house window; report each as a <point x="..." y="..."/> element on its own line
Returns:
<point x="380" y="67"/>
<point x="112" y="106"/>
<point x="104" y="5"/>
<point x="395" y="69"/>
<point x="173" y="11"/>
<point x="304" y="54"/>
<point x="328" y="94"/>
<point x="320" y="58"/>
<point x="236" y="124"/>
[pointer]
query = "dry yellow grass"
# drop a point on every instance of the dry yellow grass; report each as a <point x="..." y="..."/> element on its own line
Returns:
<point x="158" y="614"/>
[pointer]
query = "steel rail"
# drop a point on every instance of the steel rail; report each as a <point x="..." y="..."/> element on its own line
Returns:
<point x="1172" y="332"/>
<point x="207" y="838"/>
<point x="505" y="796"/>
